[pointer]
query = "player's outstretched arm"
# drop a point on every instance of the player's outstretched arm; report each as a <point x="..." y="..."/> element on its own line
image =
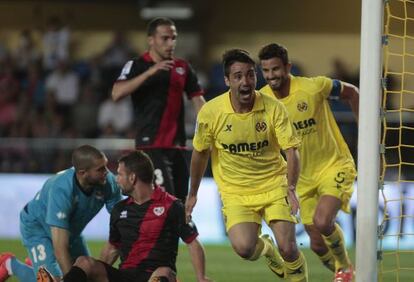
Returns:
<point x="198" y="166"/>
<point x="350" y="94"/>
<point x="198" y="102"/>
<point x="60" y="240"/>
<point x="198" y="260"/>
<point x="293" y="167"/>
<point x="109" y="254"/>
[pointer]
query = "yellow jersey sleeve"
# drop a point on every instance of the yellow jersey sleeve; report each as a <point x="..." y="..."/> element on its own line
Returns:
<point x="203" y="135"/>
<point x="285" y="132"/>
<point x="323" y="86"/>
<point x="322" y="144"/>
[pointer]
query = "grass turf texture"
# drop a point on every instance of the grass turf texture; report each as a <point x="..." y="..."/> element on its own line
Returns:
<point x="223" y="265"/>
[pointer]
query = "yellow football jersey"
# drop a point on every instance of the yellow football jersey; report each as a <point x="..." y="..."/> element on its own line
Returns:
<point x="246" y="147"/>
<point x="322" y="143"/>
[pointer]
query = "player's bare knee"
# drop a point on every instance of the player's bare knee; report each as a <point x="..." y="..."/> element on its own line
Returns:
<point x="86" y="263"/>
<point x="325" y="225"/>
<point x="163" y="274"/>
<point x="160" y="279"/>
<point x="289" y="251"/>
<point x="318" y="247"/>
<point x="244" y="250"/>
<point x="83" y="261"/>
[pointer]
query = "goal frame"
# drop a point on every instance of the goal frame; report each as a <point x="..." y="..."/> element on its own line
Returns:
<point x="369" y="129"/>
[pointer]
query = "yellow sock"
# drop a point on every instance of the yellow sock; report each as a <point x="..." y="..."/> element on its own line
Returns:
<point x="328" y="261"/>
<point x="265" y="248"/>
<point x="273" y="259"/>
<point x="268" y="249"/>
<point x="259" y="250"/>
<point x="336" y="244"/>
<point x="297" y="270"/>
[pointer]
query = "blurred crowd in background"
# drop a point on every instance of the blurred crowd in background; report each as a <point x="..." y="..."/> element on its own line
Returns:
<point x="44" y="93"/>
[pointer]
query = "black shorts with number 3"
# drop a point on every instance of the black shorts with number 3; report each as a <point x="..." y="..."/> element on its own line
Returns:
<point x="171" y="170"/>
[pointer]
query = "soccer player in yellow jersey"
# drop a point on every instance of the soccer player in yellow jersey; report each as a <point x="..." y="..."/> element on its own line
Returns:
<point x="243" y="131"/>
<point x="327" y="168"/>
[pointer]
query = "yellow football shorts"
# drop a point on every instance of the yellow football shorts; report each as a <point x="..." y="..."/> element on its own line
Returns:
<point x="335" y="181"/>
<point x="253" y="208"/>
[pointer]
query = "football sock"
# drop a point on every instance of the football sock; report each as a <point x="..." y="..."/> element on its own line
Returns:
<point x="268" y="248"/>
<point x="259" y="250"/>
<point x="273" y="259"/>
<point x="297" y="270"/>
<point x="21" y="270"/>
<point x="75" y="274"/>
<point x="328" y="261"/>
<point x="336" y="244"/>
<point x="271" y="251"/>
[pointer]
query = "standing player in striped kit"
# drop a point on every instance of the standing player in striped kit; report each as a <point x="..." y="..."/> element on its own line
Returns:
<point x="156" y="82"/>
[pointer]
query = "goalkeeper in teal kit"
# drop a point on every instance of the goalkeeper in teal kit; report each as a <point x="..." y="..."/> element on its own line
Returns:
<point x="51" y="224"/>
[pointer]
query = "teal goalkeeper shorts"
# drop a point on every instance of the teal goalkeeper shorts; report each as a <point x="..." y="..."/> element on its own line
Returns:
<point x="40" y="247"/>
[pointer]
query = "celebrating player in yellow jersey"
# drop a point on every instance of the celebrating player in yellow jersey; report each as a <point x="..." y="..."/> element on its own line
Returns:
<point x="243" y="131"/>
<point x="327" y="169"/>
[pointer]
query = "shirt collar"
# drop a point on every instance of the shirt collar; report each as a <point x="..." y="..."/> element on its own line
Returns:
<point x="156" y="195"/>
<point x="292" y="88"/>
<point x="146" y="56"/>
<point x="293" y="84"/>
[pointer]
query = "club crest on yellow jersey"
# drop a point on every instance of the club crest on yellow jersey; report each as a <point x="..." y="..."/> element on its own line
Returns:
<point x="302" y="106"/>
<point x="261" y="126"/>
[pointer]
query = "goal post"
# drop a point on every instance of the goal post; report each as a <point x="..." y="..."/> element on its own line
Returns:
<point x="368" y="140"/>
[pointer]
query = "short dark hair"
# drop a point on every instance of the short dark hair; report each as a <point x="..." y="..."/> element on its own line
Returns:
<point x="139" y="163"/>
<point x="154" y="23"/>
<point x="274" y="50"/>
<point x="235" y="55"/>
<point x="84" y="157"/>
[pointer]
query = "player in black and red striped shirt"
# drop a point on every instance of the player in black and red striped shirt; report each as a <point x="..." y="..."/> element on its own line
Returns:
<point x="156" y="82"/>
<point x="144" y="231"/>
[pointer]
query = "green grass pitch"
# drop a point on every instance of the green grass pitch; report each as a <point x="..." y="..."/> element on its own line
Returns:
<point x="223" y="265"/>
